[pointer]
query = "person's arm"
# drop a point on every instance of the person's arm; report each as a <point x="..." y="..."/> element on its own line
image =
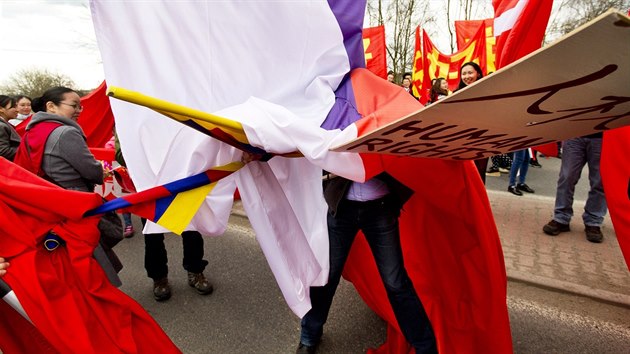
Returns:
<point x="74" y="150"/>
<point x="3" y="266"/>
<point x="6" y="150"/>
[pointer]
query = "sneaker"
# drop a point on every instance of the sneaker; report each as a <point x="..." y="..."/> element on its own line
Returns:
<point x="129" y="232"/>
<point x="553" y="228"/>
<point x="534" y="163"/>
<point x="493" y="171"/>
<point x="161" y="289"/>
<point x="504" y="170"/>
<point x="199" y="282"/>
<point x="524" y="188"/>
<point x="514" y="190"/>
<point x="594" y="234"/>
<point x="306" y="349"/>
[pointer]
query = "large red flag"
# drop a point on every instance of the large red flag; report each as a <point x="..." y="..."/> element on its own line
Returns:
<point x="436" y="64"/>
<point x="465" y="31"/>
<point x="64" y="292"/>
<point x="519" y="26"/>
<point x="375" y="51"/>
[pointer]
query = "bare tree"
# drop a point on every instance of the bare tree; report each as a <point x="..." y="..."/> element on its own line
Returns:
<point x="400" y="18"/>
<point x="570" y="14"/>
<point x="33" y="82"/>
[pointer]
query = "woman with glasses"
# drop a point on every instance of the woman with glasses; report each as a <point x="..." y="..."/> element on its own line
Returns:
<point x="9" y="138"/>
<point x="55" y="148"/>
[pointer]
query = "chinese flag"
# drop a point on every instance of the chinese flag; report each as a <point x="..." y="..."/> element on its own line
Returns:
<point x="375" y="51"/>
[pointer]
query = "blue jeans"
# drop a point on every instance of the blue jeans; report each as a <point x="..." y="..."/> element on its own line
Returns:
<point x="575" y="154"/>
<point x="379" y="222"/>
<point x="520" y="162"/>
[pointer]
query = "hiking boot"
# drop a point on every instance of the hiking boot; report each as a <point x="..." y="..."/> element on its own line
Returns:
<point x="553" y="228"/>
<point x="594" y="234"/>
<point x="161" y="289"/>
<point x="306" y="349"/>
<point x="524" y="188"/>
<point x="199" y="282"/>
<point x="514" y="190"/>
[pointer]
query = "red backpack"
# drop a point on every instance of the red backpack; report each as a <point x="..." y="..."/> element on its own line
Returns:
<point x="31" y="150"/>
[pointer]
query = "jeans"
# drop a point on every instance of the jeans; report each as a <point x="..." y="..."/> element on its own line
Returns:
<point x="156" y="260"/>
<point x="575" y="154"/>
<point x="379" y="222"/>
<point x="520" y="162"/>
<point x="127" y="219"/>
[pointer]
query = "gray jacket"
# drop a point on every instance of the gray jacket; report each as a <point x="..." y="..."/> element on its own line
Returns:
<point x="67" y="161"/>
<point x="9" y="140"/>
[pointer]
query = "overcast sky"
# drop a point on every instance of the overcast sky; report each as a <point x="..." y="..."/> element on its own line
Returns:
<point x="54" y="35"/>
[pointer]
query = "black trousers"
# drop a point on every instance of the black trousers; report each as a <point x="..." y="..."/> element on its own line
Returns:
<point x="156" y="258"/>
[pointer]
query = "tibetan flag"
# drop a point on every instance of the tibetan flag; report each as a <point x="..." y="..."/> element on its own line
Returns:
<point x="64" y="292"/>
<point x="466" y="30"/>
<point x="375" y="51"/>
<point x="306" y="91"/>
<point x="519" y="26"/>
<point x="171" y="205"/>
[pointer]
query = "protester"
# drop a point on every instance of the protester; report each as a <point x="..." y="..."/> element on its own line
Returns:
<point x="390" y="76"/>
<point x="468" y="73"/>
<point x="23" y="109"/>
<point x="54" y="147"/>
<point x="372" y="207"/>
<point x="3" y="266"/>
<point x="520" y="166"/>
<point x="576" y="153"/>
<point x="9" y="138"/>
<point x="439" y="89"/>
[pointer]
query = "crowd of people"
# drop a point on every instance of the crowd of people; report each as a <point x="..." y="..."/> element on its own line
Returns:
<point x="54" y="147"/>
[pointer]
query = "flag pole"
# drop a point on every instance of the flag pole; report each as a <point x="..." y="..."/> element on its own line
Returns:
<point x="7" y="294"/>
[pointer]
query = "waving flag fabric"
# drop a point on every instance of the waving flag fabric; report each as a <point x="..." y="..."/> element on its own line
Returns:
<point x="519" y="26"/>
<point x="283" y="87"/>
<point x="465" y="31"/>
<point x="65" y="292"/>
<point x="375" y="50"/>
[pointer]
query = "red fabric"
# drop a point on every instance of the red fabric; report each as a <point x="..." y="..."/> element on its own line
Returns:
<point x="375" y="51"/>
<point x="65" y="292"/>
<point x="466" y="30"/>
<point x="615" y="170"/>
<point x="97" y="119"/>
<point x="527" y="33"/>
<point x="31" y="151"/>
<point x="21" y="128"/>
<point x="20" y="336"/>
<point x="550" y="149"/>
<point x="433" y="64"/>
<point x="103" y="154"/>
<point x="450" y="242"/>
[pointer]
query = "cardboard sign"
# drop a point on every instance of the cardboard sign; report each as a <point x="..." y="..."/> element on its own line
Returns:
<point x="577" y="86"/>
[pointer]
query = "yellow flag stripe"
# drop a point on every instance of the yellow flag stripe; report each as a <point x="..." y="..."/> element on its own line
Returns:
<point x="185" y="205"/>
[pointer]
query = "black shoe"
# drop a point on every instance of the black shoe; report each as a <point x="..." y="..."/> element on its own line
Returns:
<point x="493" y="171"/>
<point x="306" y="349"/>
<point x="161" y="289"/>
<point x="534" y="163"/>
<point x="514" y="190"/>
<point x="199" y="282"/>
<point x="553" y="228"/>
<point x="594" y="234"/>
<point x="524" y="188"/>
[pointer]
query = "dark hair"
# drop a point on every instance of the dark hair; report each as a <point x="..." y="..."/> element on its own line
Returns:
<point x="407" y="74"/>
<point x="391" y="72"/>
<point x="19" y="97"/>
<point x="477" y="69"/>
<point x="436" y="89"/>
<point x="6" y="99"/>
<point x="54" y="95"/>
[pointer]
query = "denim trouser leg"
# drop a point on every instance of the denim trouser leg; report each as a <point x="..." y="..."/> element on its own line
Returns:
<point x="520" y="163"/>
<point x="193" y="252"/>
<point x="573" y="160"/>
<point x="341" y="233"/>
<point x="595" y="208"/>
<point x="127" y="219"/>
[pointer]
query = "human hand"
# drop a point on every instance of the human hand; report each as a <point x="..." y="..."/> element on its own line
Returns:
<point x="3" y="266"/>
<point x="249" y="157"/>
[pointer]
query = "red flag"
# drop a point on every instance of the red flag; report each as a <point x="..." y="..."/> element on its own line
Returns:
<point x="615" y="170"/>
<point x="465" y="31"/>
<point x="65" y="292"/>
<point x="519" y="26"/>
<point x="375" y="51"/>
<point x="435" y="64"/>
